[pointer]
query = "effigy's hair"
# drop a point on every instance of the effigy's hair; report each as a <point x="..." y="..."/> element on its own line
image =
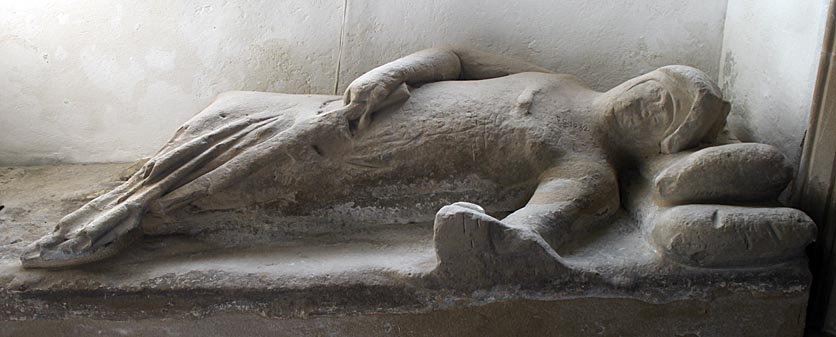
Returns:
<point x="706" y="116"/>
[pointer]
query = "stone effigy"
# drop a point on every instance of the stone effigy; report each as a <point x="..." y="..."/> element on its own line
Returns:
<point x="515" y="125"/>
<point x="533" y="177"/>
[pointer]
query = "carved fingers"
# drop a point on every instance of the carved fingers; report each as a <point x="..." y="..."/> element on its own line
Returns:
<point x="371" y="92"/>
<point x="386" y="84"/>
<point x="371" y="87"/>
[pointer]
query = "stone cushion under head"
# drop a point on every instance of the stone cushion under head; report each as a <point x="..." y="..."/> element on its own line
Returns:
<point x="731" y="236"/>
<point x="724" y="174"/>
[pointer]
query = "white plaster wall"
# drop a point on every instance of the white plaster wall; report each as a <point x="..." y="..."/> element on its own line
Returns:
<point x="770" y="57"/>
<point x="603" y="42"/>
<point x="110" y="80"/>
<point x="105" y="80"/>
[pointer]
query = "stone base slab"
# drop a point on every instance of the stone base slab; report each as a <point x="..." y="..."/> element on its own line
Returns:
<point x="364" y="283"/>
<point x="729" y="314"/>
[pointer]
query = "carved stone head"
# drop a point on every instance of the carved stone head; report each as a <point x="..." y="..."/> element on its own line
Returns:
<point x="665" y="111"/>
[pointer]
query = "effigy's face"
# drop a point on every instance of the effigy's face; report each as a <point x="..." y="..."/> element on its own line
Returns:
<point x="645" y="113"/>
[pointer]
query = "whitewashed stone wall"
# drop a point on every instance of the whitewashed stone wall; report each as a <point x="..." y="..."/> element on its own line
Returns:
<point x="110" y="80"/>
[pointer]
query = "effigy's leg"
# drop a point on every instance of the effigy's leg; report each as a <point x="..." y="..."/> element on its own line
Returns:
<point x="572" y="197"/>
<point x="205" y="155"/>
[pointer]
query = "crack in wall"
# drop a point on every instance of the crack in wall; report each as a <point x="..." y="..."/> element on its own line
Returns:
<point x="340" y="50"/>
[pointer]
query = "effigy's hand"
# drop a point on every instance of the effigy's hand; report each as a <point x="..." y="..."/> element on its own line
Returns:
<point x="718" y="208"/>
<point x="371" y="92"/>
<point x="388" y="84"/>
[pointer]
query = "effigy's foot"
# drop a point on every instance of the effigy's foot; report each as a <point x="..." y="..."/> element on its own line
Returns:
<point x="473" y="247"/>
<point x="87" y="235"/>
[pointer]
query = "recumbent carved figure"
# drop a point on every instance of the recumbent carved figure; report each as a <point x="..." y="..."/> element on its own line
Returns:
<point x="448" y="112"/>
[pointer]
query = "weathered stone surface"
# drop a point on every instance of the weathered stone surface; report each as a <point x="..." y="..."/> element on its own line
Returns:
<point x="469" y="244"/>
<point x="514" y="127"/>
<point x="725" y="314"/>
<point x="368" y="281"/>
<point x="724" y="236"/>
<point x="750" y="172"/>
<point x="547" y="164"/>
